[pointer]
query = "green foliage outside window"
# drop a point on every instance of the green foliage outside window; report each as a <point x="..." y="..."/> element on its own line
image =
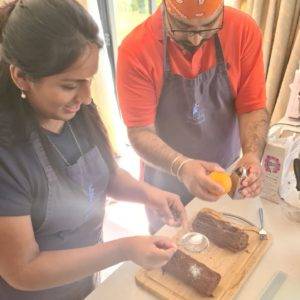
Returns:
<point x="139" y="5"/>
<point x="129" y="14"/>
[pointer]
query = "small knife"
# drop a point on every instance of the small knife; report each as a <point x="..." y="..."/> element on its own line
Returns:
<point x="273" y="286"/>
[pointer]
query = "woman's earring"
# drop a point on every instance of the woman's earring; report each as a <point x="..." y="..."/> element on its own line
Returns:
<point x="23" y="95"/>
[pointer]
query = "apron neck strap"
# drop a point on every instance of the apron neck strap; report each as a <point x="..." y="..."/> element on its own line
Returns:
<point x="166" y="62"/>
<point x="219" y="51"/>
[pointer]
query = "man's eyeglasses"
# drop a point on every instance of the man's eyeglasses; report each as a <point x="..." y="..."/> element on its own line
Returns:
<point x="190" y="33"/>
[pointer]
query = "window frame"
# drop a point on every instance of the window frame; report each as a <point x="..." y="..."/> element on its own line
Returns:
<point x="107" y="18"/>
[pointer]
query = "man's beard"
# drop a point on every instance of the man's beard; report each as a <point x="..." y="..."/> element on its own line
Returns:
<point x="190" y="47"/>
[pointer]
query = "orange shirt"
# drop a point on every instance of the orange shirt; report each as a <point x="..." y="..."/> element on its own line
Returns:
<point x="140" y="65"/>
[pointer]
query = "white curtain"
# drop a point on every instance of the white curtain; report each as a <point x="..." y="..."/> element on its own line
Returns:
<point x="279" y="21"/>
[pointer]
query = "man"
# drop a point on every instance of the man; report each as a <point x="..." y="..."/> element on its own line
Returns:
<point x="191" y="88"/>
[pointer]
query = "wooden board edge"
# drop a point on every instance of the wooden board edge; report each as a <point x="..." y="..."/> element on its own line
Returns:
<point x="141" y="276"/>
<point x="249" y="268"/>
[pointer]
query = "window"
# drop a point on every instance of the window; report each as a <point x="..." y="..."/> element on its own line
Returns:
<point x="130" y="13"/>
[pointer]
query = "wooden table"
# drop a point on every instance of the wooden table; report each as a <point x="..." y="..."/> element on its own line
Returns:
<point x="283" y="255"/>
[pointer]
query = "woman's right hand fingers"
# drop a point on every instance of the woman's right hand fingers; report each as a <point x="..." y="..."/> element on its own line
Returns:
<point x="162" y="253"/>
<point x="152" y="251"/>
<point x="163" y="243"/>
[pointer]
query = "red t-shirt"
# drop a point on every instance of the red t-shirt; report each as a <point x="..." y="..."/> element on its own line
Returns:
<point x="140" y="65"/>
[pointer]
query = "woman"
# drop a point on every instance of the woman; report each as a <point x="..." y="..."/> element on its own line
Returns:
<point x="56" y="165"/>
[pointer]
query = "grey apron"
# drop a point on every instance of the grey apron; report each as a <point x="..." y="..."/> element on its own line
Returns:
<point x="74" y="219"/>
<point x="197" y="118"/>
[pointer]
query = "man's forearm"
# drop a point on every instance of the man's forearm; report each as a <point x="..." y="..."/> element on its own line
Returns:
<point x="154" y="150"/>
<point x="253" y="131"/>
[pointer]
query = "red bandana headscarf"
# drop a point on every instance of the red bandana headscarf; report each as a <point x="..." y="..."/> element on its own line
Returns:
<point x="189" y="9"/>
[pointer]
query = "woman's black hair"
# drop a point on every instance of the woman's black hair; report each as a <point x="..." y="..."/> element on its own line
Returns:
<point x="43" y="38"/>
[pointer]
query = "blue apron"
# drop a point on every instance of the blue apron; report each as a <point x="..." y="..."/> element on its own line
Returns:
<point x="197" y="118"/>
<point x="73" y="219"/>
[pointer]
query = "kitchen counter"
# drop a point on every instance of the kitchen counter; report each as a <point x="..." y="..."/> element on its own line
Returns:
<point x="283" y="255"/>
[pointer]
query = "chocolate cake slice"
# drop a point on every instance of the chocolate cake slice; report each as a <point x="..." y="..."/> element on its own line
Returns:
<point x="193" y="273"/>
<point x="220" y="232"/>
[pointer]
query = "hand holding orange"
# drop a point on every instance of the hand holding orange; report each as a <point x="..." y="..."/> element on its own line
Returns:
<point x="223" y="179"/>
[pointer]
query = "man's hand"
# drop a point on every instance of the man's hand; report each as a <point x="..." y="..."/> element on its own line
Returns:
<point x="251" y="186"/>
<point x="253" y="134"/>
<point x="167" y="205"/>
<point x="194" y="175"/>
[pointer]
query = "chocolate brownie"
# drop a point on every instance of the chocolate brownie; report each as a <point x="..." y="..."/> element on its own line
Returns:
<point x="193" y="273"/>
<point x="220" y="232"/>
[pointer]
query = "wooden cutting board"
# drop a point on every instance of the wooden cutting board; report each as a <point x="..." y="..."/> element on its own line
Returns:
<point x="234" y="269"/>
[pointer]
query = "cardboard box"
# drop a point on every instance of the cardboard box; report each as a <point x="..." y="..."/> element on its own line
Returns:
<point x="282" y="148"/>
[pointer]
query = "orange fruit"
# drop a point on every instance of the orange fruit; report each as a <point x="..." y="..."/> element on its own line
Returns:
<point x="223" y="179"/>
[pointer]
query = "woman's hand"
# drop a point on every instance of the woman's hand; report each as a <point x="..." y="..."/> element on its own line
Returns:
<point x="149" y="251"/>
<point x="167" y="205"/>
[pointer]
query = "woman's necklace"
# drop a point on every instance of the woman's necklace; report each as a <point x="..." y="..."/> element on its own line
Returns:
<point x="59" y="152"/>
